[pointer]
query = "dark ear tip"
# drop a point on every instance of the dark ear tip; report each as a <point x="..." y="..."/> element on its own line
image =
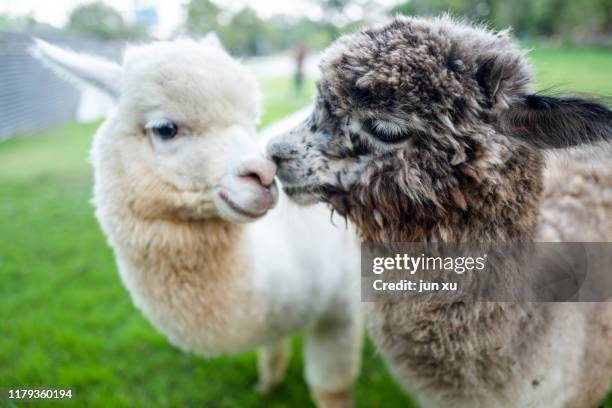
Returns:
<point x="557" y="122"/>
<point x="537" y="102"/>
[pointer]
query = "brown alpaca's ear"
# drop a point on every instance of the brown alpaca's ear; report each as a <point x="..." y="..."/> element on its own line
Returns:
<point x="503" y="78"/>
<point x="551" y="122"/>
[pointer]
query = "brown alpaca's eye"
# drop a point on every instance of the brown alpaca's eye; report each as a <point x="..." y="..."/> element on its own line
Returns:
<point x="386" y="132"/>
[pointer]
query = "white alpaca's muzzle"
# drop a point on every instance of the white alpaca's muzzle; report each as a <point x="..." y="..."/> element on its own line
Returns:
<point x="248" y="191"/>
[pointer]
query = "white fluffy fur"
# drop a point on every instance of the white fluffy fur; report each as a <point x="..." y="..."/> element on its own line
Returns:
<point x="211" y="285"/>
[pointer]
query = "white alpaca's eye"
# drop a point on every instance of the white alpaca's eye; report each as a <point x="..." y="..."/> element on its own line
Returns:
<point x="166" y="131"/>
<point x="163" y="129"/>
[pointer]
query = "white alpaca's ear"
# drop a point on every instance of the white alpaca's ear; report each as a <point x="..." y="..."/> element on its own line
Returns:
<point x="212" y="40"/>
<point x="79" y="68"/>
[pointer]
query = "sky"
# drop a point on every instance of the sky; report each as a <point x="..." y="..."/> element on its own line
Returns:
<point x="56" y="12"/>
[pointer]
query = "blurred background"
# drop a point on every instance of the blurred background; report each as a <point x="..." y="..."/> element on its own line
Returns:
<point x="65" y="320"/>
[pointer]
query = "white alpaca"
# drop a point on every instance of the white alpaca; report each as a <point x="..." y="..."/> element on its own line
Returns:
<point x="177" y="175"/>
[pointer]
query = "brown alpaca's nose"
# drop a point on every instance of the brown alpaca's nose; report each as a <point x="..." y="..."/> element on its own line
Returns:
<point x="260" y="170"/>
<point x="278" y="153"/>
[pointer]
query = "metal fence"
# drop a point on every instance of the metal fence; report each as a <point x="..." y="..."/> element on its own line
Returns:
<point x="32" y="97"/>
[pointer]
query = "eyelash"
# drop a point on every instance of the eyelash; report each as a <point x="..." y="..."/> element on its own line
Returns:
<point x="384" y="131"/>
<point x="161" y="127"/>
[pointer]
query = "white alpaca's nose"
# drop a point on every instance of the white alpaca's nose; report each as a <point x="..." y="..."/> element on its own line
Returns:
<point x="259" y="169"/>
<point x="248" y="191"/>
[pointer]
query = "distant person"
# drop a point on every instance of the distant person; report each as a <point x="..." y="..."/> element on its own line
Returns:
<point x="299" y="55"/>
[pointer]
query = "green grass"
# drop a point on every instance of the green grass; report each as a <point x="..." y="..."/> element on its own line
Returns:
<point x="586" y="70"/>
<point x="65" y="319"/>
<point x="280" y="98"/>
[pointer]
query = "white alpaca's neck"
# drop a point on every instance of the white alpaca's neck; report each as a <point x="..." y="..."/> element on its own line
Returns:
<point x="191" y="279"/>
<point x="215" y="287"/>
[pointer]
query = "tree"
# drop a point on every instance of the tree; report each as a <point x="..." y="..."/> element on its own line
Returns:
<point x="605" y="7"/>
<point x="334" y="12"/>
<point x="550" y="18"/>
<point x="202" y="16"/>
<point x="242" y="33"/>
<point x="21" y="23"/>
<point x="285" y="32"/>
<point x="246" y="33"/>
<point x="102" y="21"/>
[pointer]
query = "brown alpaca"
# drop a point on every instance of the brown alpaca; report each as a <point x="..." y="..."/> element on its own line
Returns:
<point x="426" y="130"/>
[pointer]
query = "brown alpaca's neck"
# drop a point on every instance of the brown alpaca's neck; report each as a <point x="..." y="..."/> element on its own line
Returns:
<point x="483" y="208"/>
<point x="438" y="341"/>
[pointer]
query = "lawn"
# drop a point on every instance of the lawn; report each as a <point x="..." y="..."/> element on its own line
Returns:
<point x="65" y="319"/>
<point x="586" y="70"/>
